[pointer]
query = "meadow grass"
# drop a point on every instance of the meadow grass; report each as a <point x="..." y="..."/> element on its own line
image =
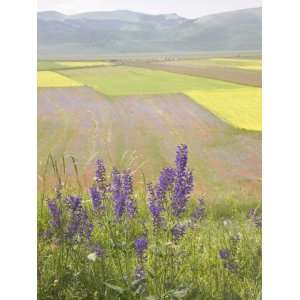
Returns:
<point x="123" y="80"/>
<point x="114" y="243"/>
<point x="241" y="108"/>
<point x="52" y="79"/>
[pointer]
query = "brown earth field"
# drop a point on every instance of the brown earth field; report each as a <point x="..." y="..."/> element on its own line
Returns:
<point x="141" y="133"/>
<point x="235" y="75"/>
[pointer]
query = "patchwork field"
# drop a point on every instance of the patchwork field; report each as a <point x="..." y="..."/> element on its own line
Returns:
<point x="57" y="65"/>
<point x="207" y="69"/>
<point x="141" y="132"/>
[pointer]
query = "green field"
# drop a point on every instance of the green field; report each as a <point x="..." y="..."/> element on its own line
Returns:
<point x="123" y="80"/>
<point x="238" y="105"/>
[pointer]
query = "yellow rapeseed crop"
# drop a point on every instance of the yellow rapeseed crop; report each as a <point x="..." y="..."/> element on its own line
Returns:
<point x="240" y="107"/>
<point x="84" y="63"/>
<point x="52" y="79"/>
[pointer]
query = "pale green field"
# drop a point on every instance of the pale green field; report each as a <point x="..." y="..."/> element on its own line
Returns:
<point x="52" y="79"/>
<point x="241" y="108"/>
<point x="122" y="80"/>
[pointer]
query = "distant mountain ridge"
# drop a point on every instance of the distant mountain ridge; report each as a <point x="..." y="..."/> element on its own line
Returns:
<point x="124" y="32"/>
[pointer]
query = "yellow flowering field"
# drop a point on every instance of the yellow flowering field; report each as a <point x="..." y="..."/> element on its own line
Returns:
<point x="52" y="79"/>
<point x="240" y="107"/>
<point x="75" y="64"/>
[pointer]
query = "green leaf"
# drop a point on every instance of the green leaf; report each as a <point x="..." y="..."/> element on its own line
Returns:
<point x="150" y="298"/>
<point x="115" y="288"/>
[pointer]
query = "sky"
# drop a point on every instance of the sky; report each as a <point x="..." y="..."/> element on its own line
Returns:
<point x="185" y="8"/>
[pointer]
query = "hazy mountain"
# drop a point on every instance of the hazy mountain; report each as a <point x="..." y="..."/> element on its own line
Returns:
<point x="122" y="31"/>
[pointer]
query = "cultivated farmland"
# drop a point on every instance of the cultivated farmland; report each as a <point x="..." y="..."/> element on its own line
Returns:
<point x="141" y="132"/>
<point x="52" y="79"/>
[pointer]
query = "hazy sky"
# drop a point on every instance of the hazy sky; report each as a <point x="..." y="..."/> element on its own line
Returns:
<point x="186" y="8"/>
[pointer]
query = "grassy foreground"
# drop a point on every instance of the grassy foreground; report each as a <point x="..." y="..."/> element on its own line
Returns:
<point x="114" y="243"/>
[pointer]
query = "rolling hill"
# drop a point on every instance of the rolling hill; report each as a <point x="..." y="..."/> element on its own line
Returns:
<point x="125" y="32"/>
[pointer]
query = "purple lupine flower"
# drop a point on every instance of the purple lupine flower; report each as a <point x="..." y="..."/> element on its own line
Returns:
<point x="141" y="245"/>
<point x="79" y="222"/>
<point x="155" y="205"/>
<point x="166" y="179"/>
<point x="73" y="202"/>
<point x="117" y="194"/>
<point x="224" y="254"/>
<point x="96" y="198"/>
<point x="86" y="227"/>
<point x="183" y="182"/>
<point x="55" y="213"/>
<point x="178" y="231"/>
<point x="128" y="191"/>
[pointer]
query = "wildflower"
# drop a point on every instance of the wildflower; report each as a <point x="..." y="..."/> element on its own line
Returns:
<point x="141" y="245"/>
<point x="79" y="222"/>
<point x="183" y="182"/>
<point x="73" y="202"/>
<point x="96" y="197"/>
<point x="224" y="254"/>
<point x="128" y="191"/>
<point x="155" y="205"/>
<point x="166" y="179"/>
<point x="55" y="213"/>
<point x="178" y="231"/>
<point x="118" y="197"/>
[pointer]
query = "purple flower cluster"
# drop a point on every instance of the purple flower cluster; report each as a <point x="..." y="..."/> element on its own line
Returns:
<point x="122" y="192"/>
<point x="79" y="222"/>
<point x="96" y="198"/>
<point x="224" y="254"/>
<point x="228" y="260"/>
<point x="178" y="231"/>
<point x="183" y="182"/>
<point x="155" y="205"/>
<point x="166" y="180"/>
<point x="141" y="245"/>
<point x="179" y="183"/>
<point x="55" y="213"/>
